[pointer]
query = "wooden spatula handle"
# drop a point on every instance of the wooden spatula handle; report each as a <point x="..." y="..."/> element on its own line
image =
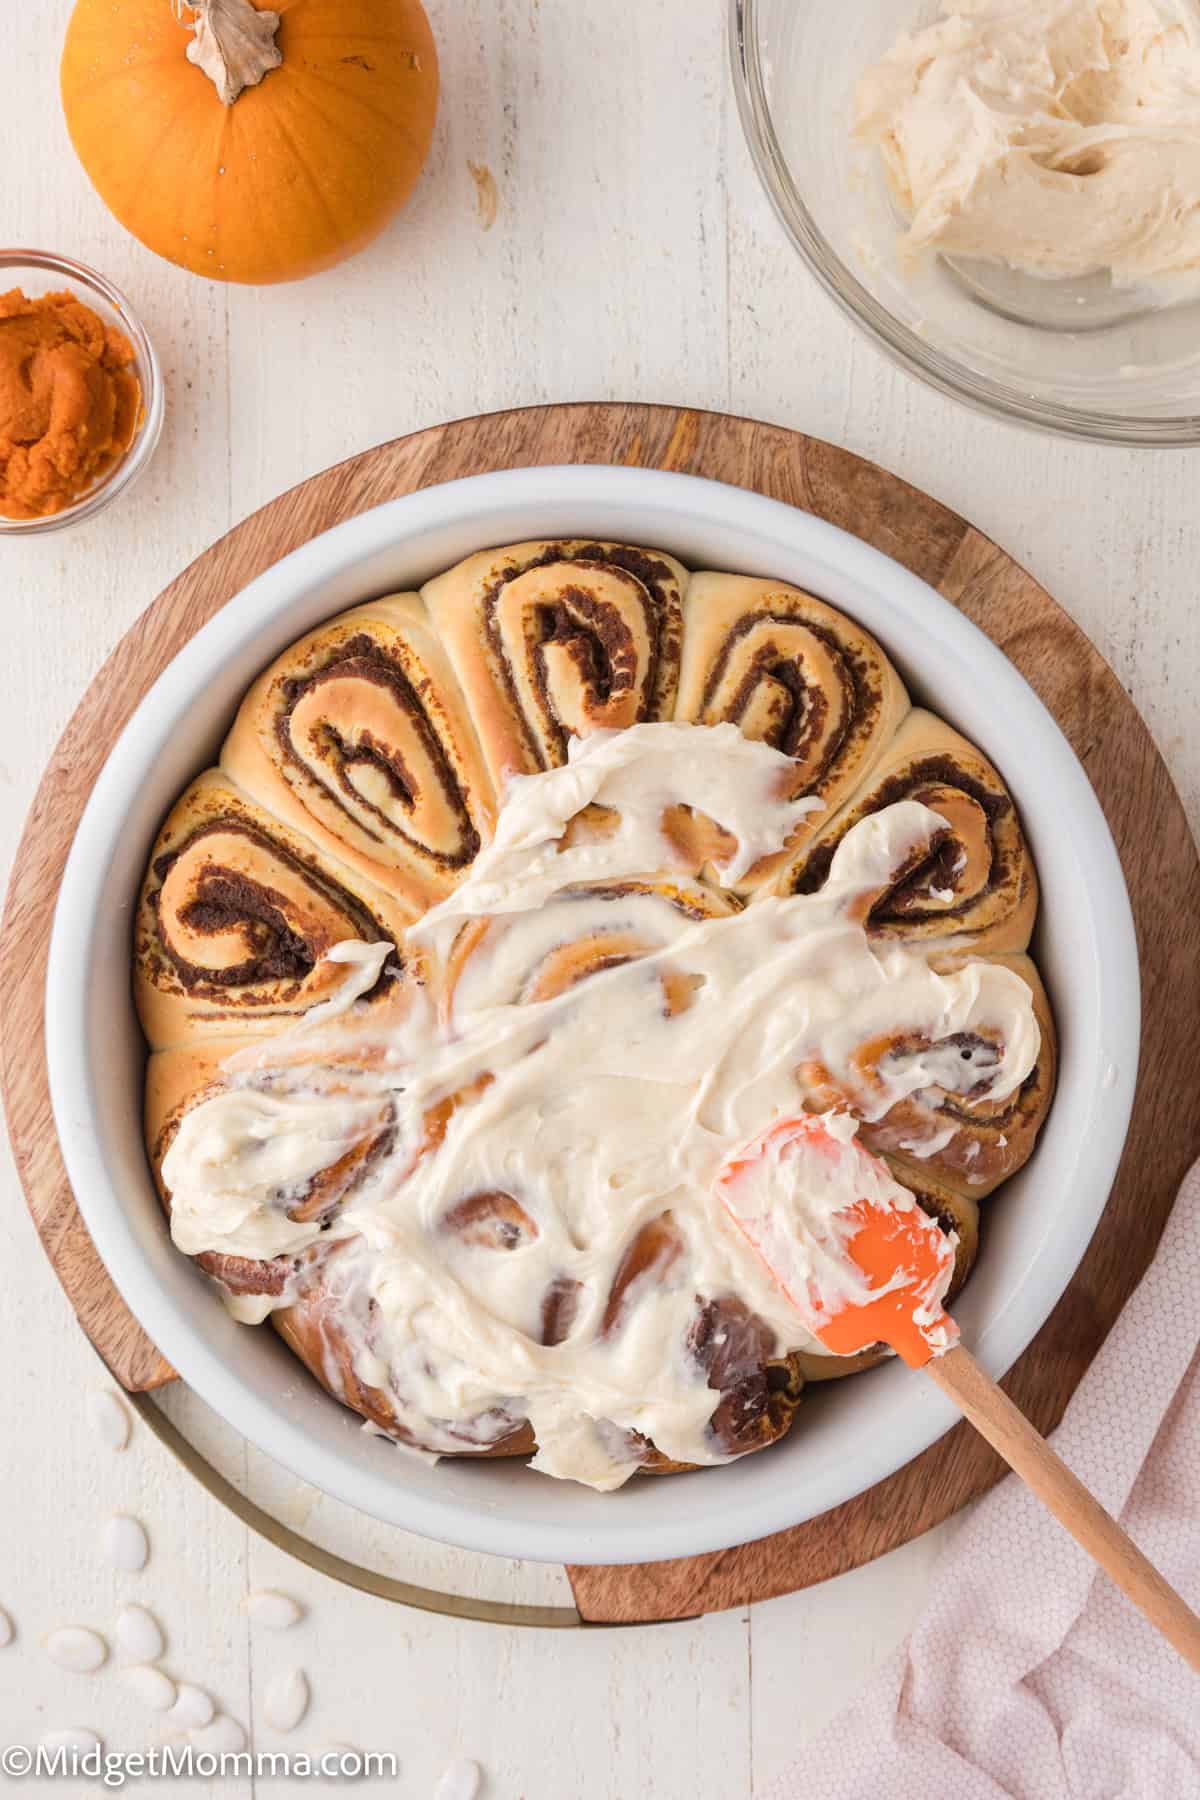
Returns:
<point x="1008" y="1430"/>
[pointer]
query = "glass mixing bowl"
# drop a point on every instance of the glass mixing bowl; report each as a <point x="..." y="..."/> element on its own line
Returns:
<point x="1079" y="357"/>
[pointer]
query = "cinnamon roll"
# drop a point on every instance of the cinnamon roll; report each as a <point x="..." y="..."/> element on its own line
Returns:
<point x="177" y="1081"/>
<point x="295" y="1212"/>
<point x="947" y="1121"/>
<point x="758" y="1389"/>
<point x="336" y="1330"/>
<point x="796" y="674"/>
<point x="515" y="959"/>
<point x="358" y="738"/>
<point x="553" y="640"/>
<point x="977" y="884"/>
<point x="236" y="918"/>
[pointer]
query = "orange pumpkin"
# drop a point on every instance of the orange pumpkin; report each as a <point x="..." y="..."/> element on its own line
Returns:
<point x="249" y="145"/>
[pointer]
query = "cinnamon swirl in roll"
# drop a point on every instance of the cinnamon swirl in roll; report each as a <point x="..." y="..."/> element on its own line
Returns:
<point x="794" y="673"/>
<point x="938" y="1095"/>
<point x="977" y="882"/>
<point x="522" y="958"/>
<point x="237" y="918"/>
<point x="553" y="640"/>
<point x="358" y="738"/>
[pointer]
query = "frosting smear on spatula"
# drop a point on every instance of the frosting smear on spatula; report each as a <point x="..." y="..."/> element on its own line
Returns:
<point x="856" y="1256"/>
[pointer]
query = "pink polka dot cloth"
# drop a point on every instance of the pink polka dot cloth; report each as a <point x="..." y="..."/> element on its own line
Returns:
<point x="1029" y="1676"/>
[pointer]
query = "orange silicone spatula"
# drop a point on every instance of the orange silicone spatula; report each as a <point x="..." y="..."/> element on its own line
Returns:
<point x="862" y="1265"/>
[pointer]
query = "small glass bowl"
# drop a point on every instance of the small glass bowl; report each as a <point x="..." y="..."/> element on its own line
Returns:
<point x="38" y="272"/>
<point x="1077" y="357"/>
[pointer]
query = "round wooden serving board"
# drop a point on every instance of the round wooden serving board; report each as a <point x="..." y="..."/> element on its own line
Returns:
<point x="1143" y="810"/>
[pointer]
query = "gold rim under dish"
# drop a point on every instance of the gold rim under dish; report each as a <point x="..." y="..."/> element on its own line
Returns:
<point x="337" y="1568"/>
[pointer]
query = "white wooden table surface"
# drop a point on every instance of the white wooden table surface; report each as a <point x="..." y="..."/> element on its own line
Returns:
<point x="632" y="257"/>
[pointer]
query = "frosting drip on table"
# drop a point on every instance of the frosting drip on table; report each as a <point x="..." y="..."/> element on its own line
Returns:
<point x="546" y="1253"/>
<point x="1061" y="138"/>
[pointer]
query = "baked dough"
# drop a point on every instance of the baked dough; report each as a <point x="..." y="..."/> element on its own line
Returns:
<point x="358" y="784"/>
<point x="358" y="738"/>
<point x="979" y="888"/>
<point x="556" y="638"/>
<point x="794" y="673"/>
<point x="235" y="915"/>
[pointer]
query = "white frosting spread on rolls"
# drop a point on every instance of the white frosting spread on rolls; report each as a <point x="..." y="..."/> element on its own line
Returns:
<point x="238" y="1163"/>
<point x="593" y="1103"/>
<point x="635" y="775"/>
<point x="1059" y="136"/>
<point x="365" y="964"/>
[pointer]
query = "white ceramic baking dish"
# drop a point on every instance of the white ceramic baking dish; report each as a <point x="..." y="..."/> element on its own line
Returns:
<point x="848" y="1435"/>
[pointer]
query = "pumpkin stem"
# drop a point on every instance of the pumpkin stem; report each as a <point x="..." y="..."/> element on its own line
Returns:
<point x="234" y="43"/>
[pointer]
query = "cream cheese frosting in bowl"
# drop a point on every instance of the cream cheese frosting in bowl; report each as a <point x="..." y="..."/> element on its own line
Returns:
<point x="850" y="1438"/>
<point x="1002" y="194"/>
<point x="1063" y="139"/>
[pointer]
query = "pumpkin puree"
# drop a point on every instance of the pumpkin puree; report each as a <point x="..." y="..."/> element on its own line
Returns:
<point x="70" y="401"/>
